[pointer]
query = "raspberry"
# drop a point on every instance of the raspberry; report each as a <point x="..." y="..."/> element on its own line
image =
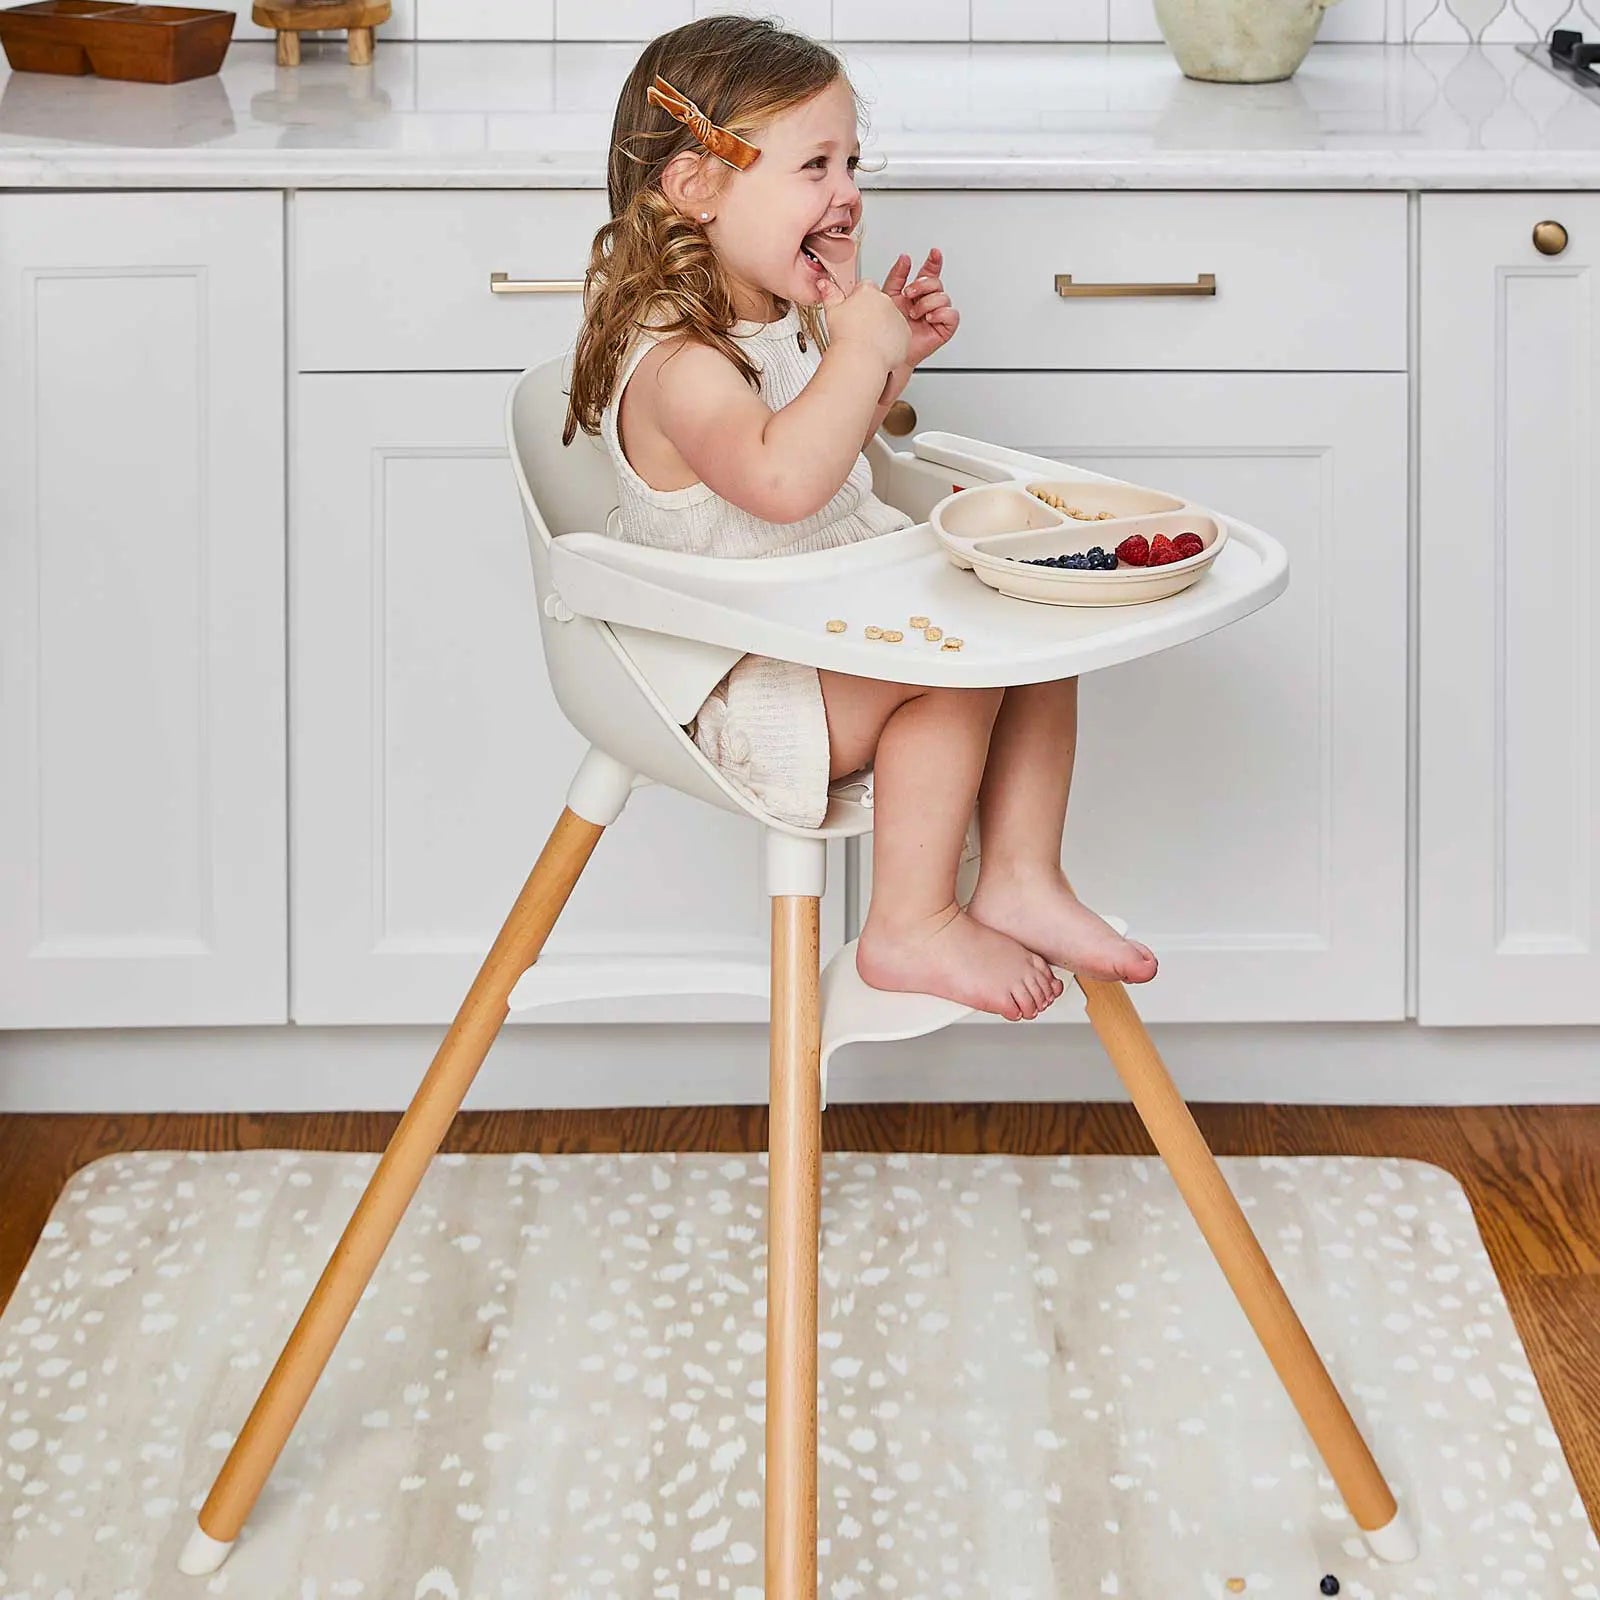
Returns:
<point x="1135" y="550"/>
<point x="1162" y="552"/>
<point x="1188" y="544"/>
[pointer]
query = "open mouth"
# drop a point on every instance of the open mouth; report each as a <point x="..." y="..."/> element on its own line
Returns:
<point x="831" y="252"/>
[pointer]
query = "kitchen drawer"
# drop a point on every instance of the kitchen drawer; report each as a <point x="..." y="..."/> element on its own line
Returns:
<point x="399" y="281"/>
<point x="1304" y="282"/>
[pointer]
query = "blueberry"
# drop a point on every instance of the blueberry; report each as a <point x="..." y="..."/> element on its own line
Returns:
<point x="1329" y="1584"/>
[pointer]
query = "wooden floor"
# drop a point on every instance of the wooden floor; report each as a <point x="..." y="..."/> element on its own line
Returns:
<point x="1532" y="1174"/>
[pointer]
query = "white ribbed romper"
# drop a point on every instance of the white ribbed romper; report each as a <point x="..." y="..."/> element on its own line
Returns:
<point x="763" y="726"/>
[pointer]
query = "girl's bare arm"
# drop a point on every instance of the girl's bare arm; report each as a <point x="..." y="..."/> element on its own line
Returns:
<point x="780" y="465"/>
<point x="892" y="391"/>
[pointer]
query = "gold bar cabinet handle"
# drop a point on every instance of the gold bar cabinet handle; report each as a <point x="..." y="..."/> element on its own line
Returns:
<point x="501" y="283"/>
<point x="1204" y="283"/>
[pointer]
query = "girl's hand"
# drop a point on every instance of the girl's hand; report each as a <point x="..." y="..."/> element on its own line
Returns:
<point x="924" y="304"/>
<point x="867" y="316"/>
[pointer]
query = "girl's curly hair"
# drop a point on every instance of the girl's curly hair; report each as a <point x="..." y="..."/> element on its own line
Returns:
<point x="649" y="263"/>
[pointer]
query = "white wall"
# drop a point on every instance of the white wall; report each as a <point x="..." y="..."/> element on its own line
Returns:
<point x="1370" y="21"/>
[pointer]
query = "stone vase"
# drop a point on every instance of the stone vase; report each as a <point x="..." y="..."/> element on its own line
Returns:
<point x="1240" y="41"/>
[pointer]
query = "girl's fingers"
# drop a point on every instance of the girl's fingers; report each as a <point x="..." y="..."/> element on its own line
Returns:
<point x="929" y="303"/>
<point x="930" y="267"/>
<point x="895" y="279"/>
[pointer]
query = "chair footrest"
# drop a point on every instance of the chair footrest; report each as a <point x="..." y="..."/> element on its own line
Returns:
<point x="853" y="1012"/>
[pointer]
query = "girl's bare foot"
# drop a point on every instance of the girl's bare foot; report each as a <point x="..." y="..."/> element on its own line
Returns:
<point x="1040" y="911"/>
<point x="951" y="955"/>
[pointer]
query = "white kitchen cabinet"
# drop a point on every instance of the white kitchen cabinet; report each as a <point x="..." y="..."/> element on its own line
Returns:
<point x="1299" y="282"/>
<point x="430" y="760"/>
<point x="1241" y="800"/>
<point x="1510" y="603"/>
<point x="142" y="869"/>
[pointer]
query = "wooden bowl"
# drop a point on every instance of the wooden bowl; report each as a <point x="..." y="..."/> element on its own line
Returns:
<point x="158" y="44"/>
<point x="42" y="38"/>
<point x="139" y="43"/>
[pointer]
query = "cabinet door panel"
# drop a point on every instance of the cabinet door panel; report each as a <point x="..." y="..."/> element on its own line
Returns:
<point x="1241" y="800"/>
<point x="430" y="757"/>
<point x="141" y="610"/>
<point x="1510" y="508"/>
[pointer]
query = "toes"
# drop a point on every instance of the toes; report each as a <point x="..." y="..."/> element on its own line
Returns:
<point x="1139" y="967"/>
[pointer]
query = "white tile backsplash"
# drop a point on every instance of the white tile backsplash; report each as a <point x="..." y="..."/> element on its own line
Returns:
<point x="921" y="20"/>
<point x="1355" y="21"/>
<point x="486" y="19"/>
<point x="1494" y="21"/>
<point x="803" y="16"/>
<point x="620" y="19"/>
<point x="1023" y="21"/>
<point x="402" y="23"/>
<point x="1134" y="22"/>
<point x="1029" y="20"/>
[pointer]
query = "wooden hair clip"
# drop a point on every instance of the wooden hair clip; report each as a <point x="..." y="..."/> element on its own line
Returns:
<point x="728" y="147"/>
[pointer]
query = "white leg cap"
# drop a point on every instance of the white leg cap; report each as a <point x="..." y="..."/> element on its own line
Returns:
<point x="1393" y="1542"/>
<point x="203" y="1554"/>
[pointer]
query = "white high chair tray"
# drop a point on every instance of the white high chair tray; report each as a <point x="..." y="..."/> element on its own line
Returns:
<point x="781" y="606"/>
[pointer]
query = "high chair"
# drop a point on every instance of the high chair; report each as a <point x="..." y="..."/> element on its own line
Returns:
<point x="635" y="638"/>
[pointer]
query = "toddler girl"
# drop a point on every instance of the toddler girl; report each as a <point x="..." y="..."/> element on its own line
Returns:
<point x="736" y="419"/>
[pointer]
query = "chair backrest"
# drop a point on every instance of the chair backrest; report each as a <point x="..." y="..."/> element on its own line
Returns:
<point x="598" y="684"/>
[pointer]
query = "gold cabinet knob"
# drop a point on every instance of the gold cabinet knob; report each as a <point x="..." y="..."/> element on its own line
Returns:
<point x="900" y="418"/>
<point x="1549" y="238"/>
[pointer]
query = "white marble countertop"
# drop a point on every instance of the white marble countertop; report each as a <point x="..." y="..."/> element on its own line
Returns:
<point x="438" y="115"/>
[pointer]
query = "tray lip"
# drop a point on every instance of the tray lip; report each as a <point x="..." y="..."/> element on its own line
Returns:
<point x="1190" y="578"/>
<point x="968" y="549"/>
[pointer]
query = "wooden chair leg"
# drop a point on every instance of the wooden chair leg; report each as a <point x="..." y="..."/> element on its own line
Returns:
<point x="358" y="46"/>
<point x="794" y="1188"/>
<point x="1244" y="1263"/>
<point x="288" y="48"/>
<point x="389" y="1191"/>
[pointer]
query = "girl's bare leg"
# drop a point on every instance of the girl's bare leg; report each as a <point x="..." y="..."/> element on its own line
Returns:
<point x="1022" y="811"/>
<point x="927" y="748"/>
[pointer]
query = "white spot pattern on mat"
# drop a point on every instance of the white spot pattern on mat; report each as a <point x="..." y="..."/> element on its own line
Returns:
<point x="1033" y="1382"/>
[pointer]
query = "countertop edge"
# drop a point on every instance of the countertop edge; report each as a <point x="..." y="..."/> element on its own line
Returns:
<point x="158" y="169"/>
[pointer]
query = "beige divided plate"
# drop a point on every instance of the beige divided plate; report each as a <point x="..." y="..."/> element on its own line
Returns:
<point x="995" y="530"/>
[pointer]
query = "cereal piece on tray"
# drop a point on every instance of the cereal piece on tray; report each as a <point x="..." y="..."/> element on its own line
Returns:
<point x="837" y="625"/>
<point x="874" y="631"/>
<point x="919" y="622"/>
<point x="952" y="644"/>
<point x="892" y="636"/>
<point x="933" y="635"/>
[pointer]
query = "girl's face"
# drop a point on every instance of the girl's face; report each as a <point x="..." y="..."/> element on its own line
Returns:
<point x="776" y="222"/>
